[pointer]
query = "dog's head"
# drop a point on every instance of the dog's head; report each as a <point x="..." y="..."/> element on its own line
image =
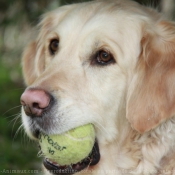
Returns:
<point x="100" y="63"/>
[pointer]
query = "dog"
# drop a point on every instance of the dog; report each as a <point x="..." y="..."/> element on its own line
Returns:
<point x="111" y="64"/>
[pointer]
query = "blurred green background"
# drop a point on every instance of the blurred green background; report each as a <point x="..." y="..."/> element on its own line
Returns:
<point x="17" y="21"/>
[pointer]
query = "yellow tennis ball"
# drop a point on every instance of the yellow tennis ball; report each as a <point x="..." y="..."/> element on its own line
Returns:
<point x="70" y="147"/>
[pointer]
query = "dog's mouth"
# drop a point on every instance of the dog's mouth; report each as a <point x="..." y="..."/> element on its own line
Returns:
<point x="91" y="160"/>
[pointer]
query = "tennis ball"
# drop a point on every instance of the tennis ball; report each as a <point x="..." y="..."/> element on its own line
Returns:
<point x="70" y="147"/>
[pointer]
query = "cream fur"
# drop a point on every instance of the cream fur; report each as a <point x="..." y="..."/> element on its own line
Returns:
<point x="139" y="39"/>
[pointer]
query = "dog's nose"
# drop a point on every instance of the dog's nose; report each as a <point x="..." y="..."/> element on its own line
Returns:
<point x="35" y="101"/>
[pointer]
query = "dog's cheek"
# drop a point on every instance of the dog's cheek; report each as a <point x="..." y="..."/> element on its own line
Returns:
<point x="33" y="62"/>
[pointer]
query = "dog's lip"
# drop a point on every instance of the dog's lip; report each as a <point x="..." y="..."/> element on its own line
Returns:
<point x="91" y="160"/>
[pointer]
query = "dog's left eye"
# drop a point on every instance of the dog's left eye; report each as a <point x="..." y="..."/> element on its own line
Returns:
<point x="53" y="47"/>
<point x="103" y="58"/>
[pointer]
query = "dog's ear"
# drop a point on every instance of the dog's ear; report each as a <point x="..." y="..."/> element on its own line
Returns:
<point x="32" y="62"/>
<point x="151" y="94"/>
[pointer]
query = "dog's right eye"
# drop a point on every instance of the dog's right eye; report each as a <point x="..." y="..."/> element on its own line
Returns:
<point x="102" y="58"/>
<point x="53" y="47"/>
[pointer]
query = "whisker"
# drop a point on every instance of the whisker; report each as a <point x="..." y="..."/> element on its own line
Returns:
<point x="16" y="116"/>
<point x="23" y="135"/>
<point x="25" y="138"/>
<point x="11" y="109"/>
<point x="15" y="121"/>
<point x="20" y="127"/>
<point x="11" y="116"/>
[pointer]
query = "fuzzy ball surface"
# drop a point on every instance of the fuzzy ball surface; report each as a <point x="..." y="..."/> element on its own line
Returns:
<point x="70" y="147"/>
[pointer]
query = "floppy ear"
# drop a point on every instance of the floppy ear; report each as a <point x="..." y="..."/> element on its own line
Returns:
<point x="151" y="95"/>
<point x="32" y="63"/>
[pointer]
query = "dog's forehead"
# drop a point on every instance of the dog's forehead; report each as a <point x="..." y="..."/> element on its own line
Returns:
<point x="97" y="14"/>
<point x="78" y="20"/>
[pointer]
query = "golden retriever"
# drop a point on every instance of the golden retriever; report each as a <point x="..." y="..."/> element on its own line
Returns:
<point x="112" y="64"/>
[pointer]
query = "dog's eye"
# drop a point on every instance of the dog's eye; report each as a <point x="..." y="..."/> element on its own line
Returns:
<point x="53" y="47"/>
<point x="103" y="58"/>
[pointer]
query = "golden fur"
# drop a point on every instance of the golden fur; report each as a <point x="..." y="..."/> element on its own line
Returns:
<point x="131" y="103"/>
